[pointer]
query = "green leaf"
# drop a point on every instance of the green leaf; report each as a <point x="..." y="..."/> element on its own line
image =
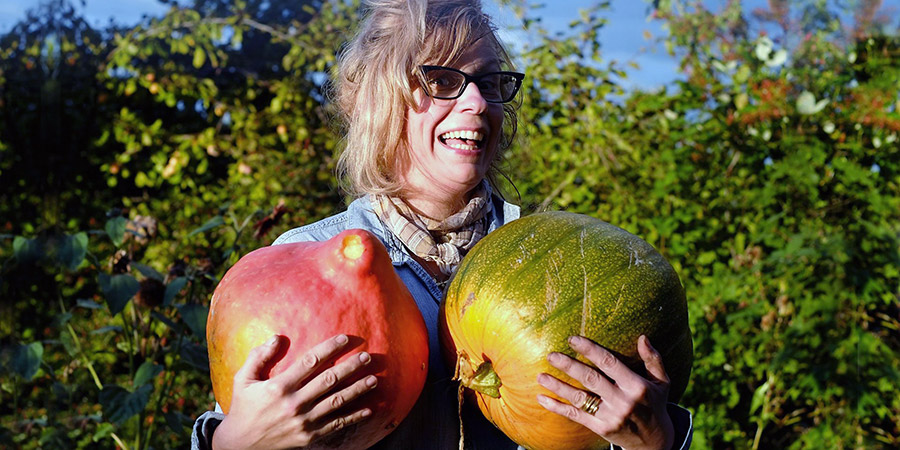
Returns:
<point x="107" y="329"/>
<point x="210" y="224"/>
<point x="26" y="359"/>
<point x="741" y="100"/>
<point x="27" y="251"/>
<point x="87" y="303"/>
<point x="104" y="430"/>
<point x="72" y="250"/>
<point x="706" y="258"/>
<point x="115" y="229"/>
<point x="118" y="290"/>
<point x="61" y="319"/>
<point x="173" y="288"/>
<point x="147" y="271"/>
<point x="120" y="405"/>
<point x="69" y="344"/>
<point x="130" y="87"/>
<point x="199" y="57"/>
<point x="177" y="421"/>
<point x="52" y="437"/>
<point x="165" y="320"/>
<point x="196" y="356"/>
<point x="194" y="316"/>
<point x="146" y="373"/>
<point x="759" y="396"/>
<point x="276" y="105"/>
<point x="742" y="74"/>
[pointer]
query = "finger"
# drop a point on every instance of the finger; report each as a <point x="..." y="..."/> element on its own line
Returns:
<point x="337" y="400"/>
<point x="257" y="360"/>
<point x="340" y="423"/>
<point x="301" y="369"/>
<point x="588" y="376"/>
<point x="329" y="378"/>
<point x="576" y="397"/>
<point x="572" y="413"/>
<point x="652" y="360"/>
<point x="606" y="361"/>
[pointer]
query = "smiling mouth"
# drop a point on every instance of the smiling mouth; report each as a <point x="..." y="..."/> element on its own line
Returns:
<point x="462" y="140"/>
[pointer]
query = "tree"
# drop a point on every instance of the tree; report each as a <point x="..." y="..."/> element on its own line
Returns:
<point x="207" y="117"/>
<point x="768" y="177"/>
<point x="52" y="110"/>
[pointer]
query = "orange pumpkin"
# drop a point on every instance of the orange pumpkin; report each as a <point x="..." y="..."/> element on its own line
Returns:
<point x="310" y="291"/>
<point x="526" y="287"/>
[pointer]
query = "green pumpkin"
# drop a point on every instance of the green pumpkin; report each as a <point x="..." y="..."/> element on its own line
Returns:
<point x="526" y="287"/>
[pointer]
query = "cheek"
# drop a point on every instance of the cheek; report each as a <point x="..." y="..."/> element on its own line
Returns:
<point x="416" y="116"/>
<point x="429" y="121"/>
<point x="496" y="119"/>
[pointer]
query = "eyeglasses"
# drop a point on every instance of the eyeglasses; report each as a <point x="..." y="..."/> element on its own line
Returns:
<point x="447" y="83"/>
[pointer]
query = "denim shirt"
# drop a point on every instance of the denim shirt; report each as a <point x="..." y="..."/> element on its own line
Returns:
<point x="434" y="421"/>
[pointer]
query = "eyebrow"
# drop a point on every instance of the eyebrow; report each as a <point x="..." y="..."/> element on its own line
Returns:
<point x="477" y="68"/>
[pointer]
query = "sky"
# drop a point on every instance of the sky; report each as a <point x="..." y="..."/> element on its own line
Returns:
<point x="623" y="38"/>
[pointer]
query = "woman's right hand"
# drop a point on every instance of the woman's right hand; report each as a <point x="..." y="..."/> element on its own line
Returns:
<point x="292" y="409"/>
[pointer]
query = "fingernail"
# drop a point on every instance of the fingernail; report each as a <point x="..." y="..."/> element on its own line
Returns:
<point x="576" y="340"/>
<point x="554" y="357"/>
<point x="366" y="413"/>
<point x="542" y="400"/>
<point x="364" y="357"/>
<point x="371" y="381"/>
<point x="341" y="339"/>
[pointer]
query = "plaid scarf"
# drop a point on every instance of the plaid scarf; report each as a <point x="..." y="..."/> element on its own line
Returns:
<point x="444" y="242"/>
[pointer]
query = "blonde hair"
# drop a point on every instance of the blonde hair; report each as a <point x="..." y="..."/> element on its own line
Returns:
<point x="377" y="74"/>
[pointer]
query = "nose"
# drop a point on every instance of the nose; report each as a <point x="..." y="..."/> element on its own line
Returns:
<point x="472" y="100"/>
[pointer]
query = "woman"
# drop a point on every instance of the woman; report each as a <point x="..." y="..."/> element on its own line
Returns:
<point x="425" y="92"/>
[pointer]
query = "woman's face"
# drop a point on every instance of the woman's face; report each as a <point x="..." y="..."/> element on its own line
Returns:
<point x="453" y="142"/>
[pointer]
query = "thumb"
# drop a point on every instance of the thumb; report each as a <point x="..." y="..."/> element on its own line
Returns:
<point x="259" y="359"/>
<point x="652" y="360"/>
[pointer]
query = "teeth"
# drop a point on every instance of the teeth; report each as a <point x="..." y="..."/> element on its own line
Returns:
<point x="461" y="146"/>
<point x="466" y="134"/>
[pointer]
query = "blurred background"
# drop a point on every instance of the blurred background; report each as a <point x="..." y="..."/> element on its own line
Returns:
<point x="146" y="145"/>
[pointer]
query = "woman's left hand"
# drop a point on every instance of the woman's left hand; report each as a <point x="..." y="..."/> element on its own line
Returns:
<point x="632" y="409"/>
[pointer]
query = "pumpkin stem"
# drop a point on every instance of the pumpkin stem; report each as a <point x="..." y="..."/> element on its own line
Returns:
<point x="481" y="379"/>
<point x="352" y="247"/>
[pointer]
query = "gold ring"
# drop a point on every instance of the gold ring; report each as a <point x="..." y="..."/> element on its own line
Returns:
<point x="591" y="404"/>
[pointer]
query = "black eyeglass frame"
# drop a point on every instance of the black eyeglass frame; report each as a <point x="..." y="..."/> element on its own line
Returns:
<point x="469" y="79"/>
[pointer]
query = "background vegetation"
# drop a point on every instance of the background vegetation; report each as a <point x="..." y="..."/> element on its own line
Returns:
<point x="137" y="164"/>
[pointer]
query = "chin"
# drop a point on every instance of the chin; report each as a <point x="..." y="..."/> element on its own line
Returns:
<point x="467" y="182"/>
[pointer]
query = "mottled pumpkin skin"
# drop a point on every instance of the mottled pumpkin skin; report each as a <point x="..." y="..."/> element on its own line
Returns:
<point x="310" y="291"/>
<point x="529" y="285"/>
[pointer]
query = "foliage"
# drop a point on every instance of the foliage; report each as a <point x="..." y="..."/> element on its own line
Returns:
<point x="206" y="117"/>
<point x="769" y="177"/>
<point x="137" y="164"/>
<point x="48" y="63"/>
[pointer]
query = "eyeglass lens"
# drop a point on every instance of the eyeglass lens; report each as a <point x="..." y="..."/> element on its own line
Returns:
<point x="449" y="84"/>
